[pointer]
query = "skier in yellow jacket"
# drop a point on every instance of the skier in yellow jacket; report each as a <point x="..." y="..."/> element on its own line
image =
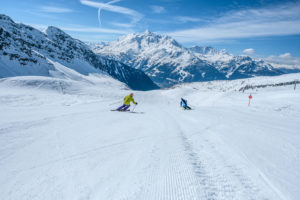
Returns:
<point x="126" y="103"/>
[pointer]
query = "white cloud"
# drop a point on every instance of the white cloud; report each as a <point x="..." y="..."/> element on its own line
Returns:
<point x="93" y="30"/>
<point x="40" y="27"/>
<point x="285" y="60"/>
<point x="286" y="56"/>
<point x="96" y="37"/>
<point x="249" y="51"/>
<point x="83" y="29"/>
<point x="122" y="25"/>
<point x="134" y="15"/>
<point x="52" y="9"/>
<point x="158" y="9"/>
<point x="184" y="19"/>
<point x="270" y="21"/>
<point x="42" y="14"/>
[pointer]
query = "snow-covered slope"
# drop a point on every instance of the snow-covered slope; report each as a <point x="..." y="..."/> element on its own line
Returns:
<point x="59" y="140"/>
<point x="243" y="85"/>
<point x="27" y="51"/>
<point x="168" y="63"/>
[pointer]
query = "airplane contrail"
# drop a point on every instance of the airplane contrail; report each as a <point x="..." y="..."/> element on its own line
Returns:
<point x="134" y="15"/>
<point x="99" y="10"/>
<point x="99" y="21"/>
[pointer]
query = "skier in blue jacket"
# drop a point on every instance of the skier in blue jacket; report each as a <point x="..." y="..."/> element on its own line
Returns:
<point x="184" y="104"/>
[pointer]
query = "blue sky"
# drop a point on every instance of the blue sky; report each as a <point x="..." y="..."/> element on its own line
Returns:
<point x="260" y="28"/>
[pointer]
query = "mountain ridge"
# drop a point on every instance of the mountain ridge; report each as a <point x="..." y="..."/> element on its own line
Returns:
<point x="168" y="62"/>
<point x="26" y="51"/>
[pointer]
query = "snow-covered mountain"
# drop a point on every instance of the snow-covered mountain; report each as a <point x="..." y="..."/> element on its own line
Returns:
<point x="168" y="63"/>
<point x="234" y="67"/>
<point x="27" y="51"/>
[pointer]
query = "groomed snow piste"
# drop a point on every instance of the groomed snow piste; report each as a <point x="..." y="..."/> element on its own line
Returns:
<point x="59" y="140"/>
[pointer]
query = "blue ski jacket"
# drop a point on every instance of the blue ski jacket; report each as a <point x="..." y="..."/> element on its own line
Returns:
<point x="183" y="103"/>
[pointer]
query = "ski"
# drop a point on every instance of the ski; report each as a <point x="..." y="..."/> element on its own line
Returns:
<point x="137" y="112"/>
<point x="128" y="111"/>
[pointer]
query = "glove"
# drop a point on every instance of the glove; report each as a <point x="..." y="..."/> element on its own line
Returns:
<point x="136" y="103"/>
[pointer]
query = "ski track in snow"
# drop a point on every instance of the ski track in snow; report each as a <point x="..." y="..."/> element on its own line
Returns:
<point x="82" y="150"/>
<point x="209" y="175"/>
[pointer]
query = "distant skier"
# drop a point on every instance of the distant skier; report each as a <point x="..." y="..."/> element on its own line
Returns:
<point x="184" y="104"/>
<point x="126" y="103"/>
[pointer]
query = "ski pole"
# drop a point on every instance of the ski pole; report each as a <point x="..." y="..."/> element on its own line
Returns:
<point x="115" y="103"/>
<point x="133" y="107"/>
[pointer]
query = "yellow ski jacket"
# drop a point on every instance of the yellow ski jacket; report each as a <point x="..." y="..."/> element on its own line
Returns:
<point x="128" y="99"/>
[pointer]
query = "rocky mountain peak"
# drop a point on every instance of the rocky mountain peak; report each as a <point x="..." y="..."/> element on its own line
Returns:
<point x="148" y="32"/>
<point x="54" y="32"/>
<point x="145" y="41"/>
<point x="4" y="18"/>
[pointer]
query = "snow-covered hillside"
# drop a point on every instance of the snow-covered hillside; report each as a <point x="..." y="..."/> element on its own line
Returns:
<point x="59" y="140"/>
<point x="168" y="63"/>
<point x="27" y="51"/>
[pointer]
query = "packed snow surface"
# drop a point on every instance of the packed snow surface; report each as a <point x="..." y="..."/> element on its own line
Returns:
<point x="59" y="140"/>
